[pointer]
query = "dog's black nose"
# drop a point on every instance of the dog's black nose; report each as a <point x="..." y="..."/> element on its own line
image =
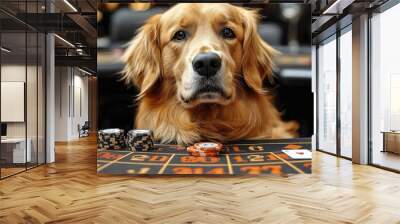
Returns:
<point x="207" y="64"/>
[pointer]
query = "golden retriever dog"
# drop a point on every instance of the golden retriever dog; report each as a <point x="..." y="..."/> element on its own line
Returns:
<point x="200" y="70"/>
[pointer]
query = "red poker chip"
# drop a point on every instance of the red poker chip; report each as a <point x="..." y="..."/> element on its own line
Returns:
<point x="208" y="146"/>
<point x="194" y="151"/>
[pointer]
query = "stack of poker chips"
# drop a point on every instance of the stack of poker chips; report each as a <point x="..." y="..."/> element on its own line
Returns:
<point x="139" y="140"/>
<point x="111" y="139"/>
<point x="205" y="149"/>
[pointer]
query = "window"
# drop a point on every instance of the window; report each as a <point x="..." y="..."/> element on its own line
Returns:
<point x="22" y="101"/>
<point x="385" y="89"/>
<point x="327" y="96"/>
<point x="346" y="95"/>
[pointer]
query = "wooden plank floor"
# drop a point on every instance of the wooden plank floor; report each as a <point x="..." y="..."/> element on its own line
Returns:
<point x="70" y="191"/>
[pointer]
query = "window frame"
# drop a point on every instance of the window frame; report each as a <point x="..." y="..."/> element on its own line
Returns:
<point x="29" y="29"/>
<point x="346" y="27"/>
<point x="378" y="10"/>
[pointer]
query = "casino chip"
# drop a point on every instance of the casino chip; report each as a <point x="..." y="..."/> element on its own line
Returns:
<point x="111" y="139"/>
<point x="205" y="149"/>
<point x="139" y="140"/>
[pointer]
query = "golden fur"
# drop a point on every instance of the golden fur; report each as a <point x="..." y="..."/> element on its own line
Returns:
<point x="159" y="67"/>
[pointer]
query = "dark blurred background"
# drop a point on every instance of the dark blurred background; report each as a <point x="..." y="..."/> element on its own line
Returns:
<point x="287" y="27"/>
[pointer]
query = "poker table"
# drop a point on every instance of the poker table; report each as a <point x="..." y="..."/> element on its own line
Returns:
<point x="248" y="157"/>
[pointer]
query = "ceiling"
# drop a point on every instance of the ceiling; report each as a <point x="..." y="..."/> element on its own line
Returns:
<point x="72" y="20"/>
<point x="332" y="15"/>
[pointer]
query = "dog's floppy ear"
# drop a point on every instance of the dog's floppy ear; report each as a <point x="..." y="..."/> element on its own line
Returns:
<point x="257" y="55"/>
<point x="143" y="57"/>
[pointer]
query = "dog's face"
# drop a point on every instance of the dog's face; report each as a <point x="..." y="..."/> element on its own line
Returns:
<point x="206" y="51"/>
<point x="202" y="50"/>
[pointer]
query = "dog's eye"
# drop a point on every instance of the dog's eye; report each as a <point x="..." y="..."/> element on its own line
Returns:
<point x="179" y="35"/>
<point x="227" y="33"/>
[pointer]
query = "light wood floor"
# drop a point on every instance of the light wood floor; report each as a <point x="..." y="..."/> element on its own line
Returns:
<point x="70" y="191"/>
<point x="10" y="171"/>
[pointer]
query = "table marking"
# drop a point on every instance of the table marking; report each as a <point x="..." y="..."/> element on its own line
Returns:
<point x="230" y="170"/>
<point x="291" y="165"/>
<point x="166" y="164"/>
<point x="114" y="161"/>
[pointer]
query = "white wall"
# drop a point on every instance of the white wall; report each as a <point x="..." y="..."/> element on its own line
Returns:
<point x="33" y="126"/>
<point x="12" y="101"/>
<point x="62" y="82"/>
<point x="80" y="85"/>
<point x="71" y="87"/>
<point x="15" y="73"/>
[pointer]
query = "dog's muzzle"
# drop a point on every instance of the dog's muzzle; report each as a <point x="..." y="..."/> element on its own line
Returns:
<point x="207" y="86"/>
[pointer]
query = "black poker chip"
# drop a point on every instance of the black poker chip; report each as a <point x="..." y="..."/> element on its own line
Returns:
<point x="139" y="140"/>
<point x="111" y="139"/>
